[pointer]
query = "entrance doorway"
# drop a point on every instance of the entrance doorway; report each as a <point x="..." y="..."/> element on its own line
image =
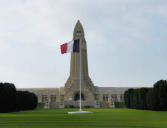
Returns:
<point x="77" y="96"/>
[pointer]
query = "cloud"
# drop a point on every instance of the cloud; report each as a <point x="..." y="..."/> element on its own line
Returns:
<point x="31" y="32"/>
<point x="3" y="46"/>
<point x="45" y="22"/>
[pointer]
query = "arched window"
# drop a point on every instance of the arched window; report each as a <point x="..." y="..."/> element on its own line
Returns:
<point x="77" y="96"/>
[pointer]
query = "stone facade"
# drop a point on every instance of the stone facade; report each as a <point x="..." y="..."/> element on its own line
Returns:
<point x="55" y="97"/>
<point x="69" y="95"/>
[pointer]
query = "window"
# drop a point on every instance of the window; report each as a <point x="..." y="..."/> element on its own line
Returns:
<point x="44" y="98"/>
<point x="121" y="97"/>
<point x="53" y="98"/>
<point x="96" y="97"/>
<point x="114" y="97"/>
<point x="105" y="97"/>
<point x="62" y="97"/>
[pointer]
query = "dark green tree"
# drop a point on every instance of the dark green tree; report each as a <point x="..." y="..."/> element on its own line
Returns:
<point x="160" y="95"/>
<point x="127" y="99"/>
<point x="131" y="94"/>
<point x="26" y="100"/>
<point x="149" y="99"/>
<point x="142" y="98"/>
<point x="7" y="97"/>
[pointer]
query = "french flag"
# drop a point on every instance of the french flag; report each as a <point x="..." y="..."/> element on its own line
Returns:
<point x="72" y="46"/>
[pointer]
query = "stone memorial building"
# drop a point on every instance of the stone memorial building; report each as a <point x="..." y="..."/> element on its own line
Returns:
<point x="69" y="95"/>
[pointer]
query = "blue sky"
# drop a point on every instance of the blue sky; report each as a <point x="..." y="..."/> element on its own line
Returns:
<point x="126" y="40"/>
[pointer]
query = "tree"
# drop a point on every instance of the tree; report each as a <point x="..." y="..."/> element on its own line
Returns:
<point x="160" y="95"/>
<point x="142" y="98"/>
<point x="12" y="100"/>
<point x="131" y="92"/>
<point x="149" y="99"/>
<point x="26" y="100"/>
<point x="127" y="99"/>
<point x="7" y="97"/>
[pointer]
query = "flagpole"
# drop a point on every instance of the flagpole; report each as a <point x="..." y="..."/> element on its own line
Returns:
<point x="80" y="105"/>
<point x="80" y="83"/>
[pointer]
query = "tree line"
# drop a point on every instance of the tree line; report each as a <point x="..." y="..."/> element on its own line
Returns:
<point x="148" y="98"/>
<point x="12" y="100"/>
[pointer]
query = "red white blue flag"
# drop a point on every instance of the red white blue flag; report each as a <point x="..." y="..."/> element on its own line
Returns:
<point x="72" y="46"/>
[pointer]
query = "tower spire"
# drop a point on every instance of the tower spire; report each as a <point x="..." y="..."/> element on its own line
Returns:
<point x="78" y="31"/>
<point x="78" y="66"/>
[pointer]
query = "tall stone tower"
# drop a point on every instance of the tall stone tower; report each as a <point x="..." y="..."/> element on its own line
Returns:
<point x="72" y="85"/>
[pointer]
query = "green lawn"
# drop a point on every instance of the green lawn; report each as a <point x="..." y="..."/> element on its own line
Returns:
<point x="101" y="118"/>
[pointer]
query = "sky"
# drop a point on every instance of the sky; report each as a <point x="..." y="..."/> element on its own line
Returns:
<point x="126" y="41"/>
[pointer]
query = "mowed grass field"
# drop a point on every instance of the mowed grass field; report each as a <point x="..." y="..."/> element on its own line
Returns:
<point x="101" y="118"/>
